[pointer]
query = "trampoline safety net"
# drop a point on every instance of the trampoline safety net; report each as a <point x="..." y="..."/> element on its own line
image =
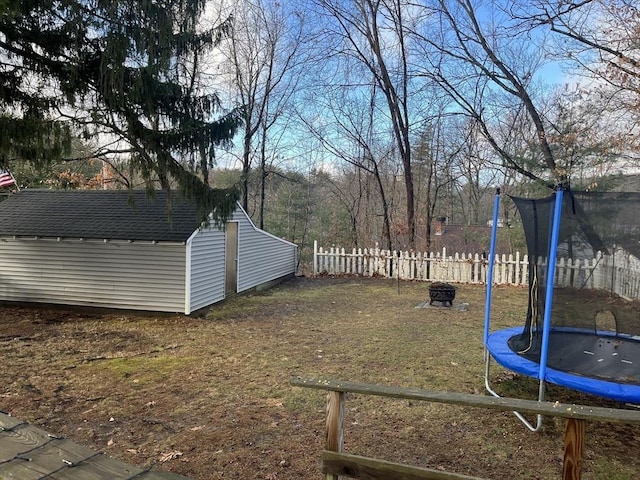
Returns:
<point x="595" y="317"/>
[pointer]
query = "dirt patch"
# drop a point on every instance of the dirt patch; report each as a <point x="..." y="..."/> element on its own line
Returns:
<point x="210" y="397"/>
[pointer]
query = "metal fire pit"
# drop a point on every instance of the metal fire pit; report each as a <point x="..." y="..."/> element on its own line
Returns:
<point x="442" y="292"/>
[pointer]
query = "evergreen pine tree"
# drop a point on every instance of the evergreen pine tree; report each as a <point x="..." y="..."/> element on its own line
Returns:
<point x="124" y="69"/>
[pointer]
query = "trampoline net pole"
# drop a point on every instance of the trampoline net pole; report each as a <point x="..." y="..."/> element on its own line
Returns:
<point x="551" y="274"/>
<point x="491" y="260"/>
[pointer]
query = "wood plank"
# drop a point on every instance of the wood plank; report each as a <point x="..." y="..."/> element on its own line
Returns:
<point x="334" y="440"/>
<point x="556" y="409"/>
<point x="355" y="466"/>
<point x="573" y="448"/>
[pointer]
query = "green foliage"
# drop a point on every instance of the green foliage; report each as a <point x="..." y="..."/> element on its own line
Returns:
<point x="142" y="371"/>
<point x="290" y="204"/>
<point x="226" y="178"/>
<point x="125" y="69"/>
<point x="33" y="138"/>
<point x="301" y="209"/>
<point x="298" y="207"/>
<point x="81" y="174"/>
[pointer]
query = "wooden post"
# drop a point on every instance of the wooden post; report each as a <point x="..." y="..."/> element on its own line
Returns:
<point x="335" y="433"/>
<point x="573" y="446"/>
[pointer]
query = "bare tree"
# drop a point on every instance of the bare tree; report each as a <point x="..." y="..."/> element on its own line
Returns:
<point x="264" y="55"/>
<point x="489" y="69"/>
<point x="344" y="125"/>
<point x="374" y="33"/>
<point x="600" y="37"/>
<point x="349" y="188"/>
<point x="476" y="170"/>
<point x="438" y="157"/>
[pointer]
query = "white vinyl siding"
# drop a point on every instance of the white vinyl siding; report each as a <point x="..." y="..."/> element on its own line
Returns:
<point x="262" y="257"/>
<point x="137" y="275"/>
<point x="207" y="268"/>
<point x="140" y="275"/>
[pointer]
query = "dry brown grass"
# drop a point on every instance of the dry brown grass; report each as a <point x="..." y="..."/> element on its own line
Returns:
<point x="210" y="398"/>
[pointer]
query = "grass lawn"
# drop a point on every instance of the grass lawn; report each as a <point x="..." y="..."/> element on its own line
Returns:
<point x="210" y="397"/>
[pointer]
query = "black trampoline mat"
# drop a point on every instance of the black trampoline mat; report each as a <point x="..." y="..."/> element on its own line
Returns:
<point x="611" y="358"/>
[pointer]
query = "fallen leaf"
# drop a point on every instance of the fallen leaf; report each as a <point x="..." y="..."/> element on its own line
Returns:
<point x="165" y="457"/>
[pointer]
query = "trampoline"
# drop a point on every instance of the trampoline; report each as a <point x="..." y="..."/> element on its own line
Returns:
<point x="600" y="364"/>
<point x="582" y="328"/>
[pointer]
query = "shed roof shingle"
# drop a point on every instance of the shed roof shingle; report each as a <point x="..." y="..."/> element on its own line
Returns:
<point x="111" y="214"/>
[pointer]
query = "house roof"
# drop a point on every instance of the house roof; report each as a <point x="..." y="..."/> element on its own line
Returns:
<point x="467" y="239"/>
<point x="97" y="214"/>
<point x="462" y="239"/>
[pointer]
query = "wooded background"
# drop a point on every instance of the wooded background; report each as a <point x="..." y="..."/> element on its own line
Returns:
<point x="349" y="122"/>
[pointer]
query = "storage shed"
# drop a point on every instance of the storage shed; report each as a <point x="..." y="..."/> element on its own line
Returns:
<point x="120" y="249"/>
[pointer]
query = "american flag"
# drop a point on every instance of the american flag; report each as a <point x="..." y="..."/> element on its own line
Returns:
<point x="6" y="178"/>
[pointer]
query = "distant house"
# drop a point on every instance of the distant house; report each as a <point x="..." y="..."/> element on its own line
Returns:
<point x="120" y="249"/>
<point x="467" y="239"/>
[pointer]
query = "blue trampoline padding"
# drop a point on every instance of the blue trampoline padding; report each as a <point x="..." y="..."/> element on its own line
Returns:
<point x="498" y="347"/>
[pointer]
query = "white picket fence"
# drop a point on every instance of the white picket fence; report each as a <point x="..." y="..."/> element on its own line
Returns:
<point x="619" y="273"/>
<point x="431" y="267"/>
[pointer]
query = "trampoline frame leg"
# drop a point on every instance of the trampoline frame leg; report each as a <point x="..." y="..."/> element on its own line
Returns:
<point x="519" y="416"/>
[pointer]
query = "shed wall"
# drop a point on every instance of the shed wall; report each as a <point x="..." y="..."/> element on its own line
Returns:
<point x="262" y="257"/>
<point x="141" y="276"/>
<point x="207" y="272"/>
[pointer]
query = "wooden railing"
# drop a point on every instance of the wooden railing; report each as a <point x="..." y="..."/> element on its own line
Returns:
<point x="336" y="463"/>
